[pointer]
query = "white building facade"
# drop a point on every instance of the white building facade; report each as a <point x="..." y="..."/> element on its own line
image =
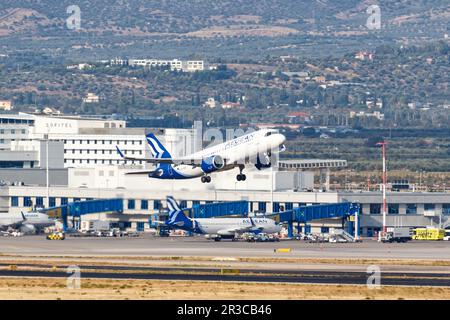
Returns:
<point x="87" y="142"/>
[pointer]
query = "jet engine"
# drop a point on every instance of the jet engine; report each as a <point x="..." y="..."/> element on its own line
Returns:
<point x="157" y="173"/>
<point x="212" y="164"/>
<point x="28" y="228"/>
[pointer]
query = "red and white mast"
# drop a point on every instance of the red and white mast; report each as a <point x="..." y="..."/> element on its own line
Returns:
<point x="383" y="148"/>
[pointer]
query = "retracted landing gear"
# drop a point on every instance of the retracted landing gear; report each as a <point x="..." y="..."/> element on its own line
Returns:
<point x="241" y="176"/>
<point x="206" y="179"/>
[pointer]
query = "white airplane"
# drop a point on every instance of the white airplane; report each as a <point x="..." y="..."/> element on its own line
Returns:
<point x="218" y="228"/>
<point x="225" y="156"/>
<point x="28" y="222"/>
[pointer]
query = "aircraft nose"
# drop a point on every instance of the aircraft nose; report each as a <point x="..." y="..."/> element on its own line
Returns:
<point x="279" y="138"/>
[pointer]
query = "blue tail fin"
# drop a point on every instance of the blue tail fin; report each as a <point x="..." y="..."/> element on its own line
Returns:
<point x="172" y="204"/>
<point x="156" y="147"/>
<point x="177" y="218"/>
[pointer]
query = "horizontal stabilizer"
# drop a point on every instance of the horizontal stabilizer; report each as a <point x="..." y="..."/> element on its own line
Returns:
<point x="192" y="162"/>
<point x="142" y="172"/>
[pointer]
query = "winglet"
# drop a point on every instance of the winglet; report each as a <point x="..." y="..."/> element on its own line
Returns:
<point x="120" y="152"/>
<point x="23" y="216"/>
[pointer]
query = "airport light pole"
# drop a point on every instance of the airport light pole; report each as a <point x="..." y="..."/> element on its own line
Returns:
<point x="47" y="171"/>
<point x="383" y="148"/>
<point x="271" y="189"/>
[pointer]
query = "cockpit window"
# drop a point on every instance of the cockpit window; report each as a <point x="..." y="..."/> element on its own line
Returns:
<point x="268" y="134"/>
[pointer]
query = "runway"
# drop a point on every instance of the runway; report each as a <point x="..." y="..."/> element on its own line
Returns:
<point x="230" y="275"/>
<point x="199" y="247"/>
<point x="196" y="259"/>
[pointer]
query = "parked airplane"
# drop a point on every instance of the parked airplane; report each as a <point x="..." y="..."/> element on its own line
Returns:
<point x="28" y="222"/>
<point x="225" y="156"/>
<point x="218" y="228"/>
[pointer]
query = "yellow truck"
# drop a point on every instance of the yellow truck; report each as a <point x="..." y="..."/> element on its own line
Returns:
<point x="56" y="236"/>
<point x="429" y="234"/>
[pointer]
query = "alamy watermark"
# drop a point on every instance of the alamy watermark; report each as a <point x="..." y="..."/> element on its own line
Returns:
<point x="73" y="281"/>
<point x="374" y="279"/>
<point x="73" y="22"/>
<point x="374" y="20"/>
<point x="229" y="138"/>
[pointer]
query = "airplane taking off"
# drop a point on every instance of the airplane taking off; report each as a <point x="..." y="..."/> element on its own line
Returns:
<point x="218" y="228"/>
<point x="225" y="156"/>
<point x="28" y="222"/>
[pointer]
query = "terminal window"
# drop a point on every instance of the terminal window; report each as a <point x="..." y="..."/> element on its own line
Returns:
<point x="393" y="208"/>
<point x="144" y="204"/>
<point x="375" y="208"/>
<point x="276" y="207"/>
<point x="157" y="205"/>
<point x="262" y="206"/>
<point x="27" y="202"/>
<point x="39" y="201"/>
<point x="52" y="202"/>
<point x="64" y="201"/>
<point x="324" y="230"/>
<point x="14" y="201"/>
<point x="131" y="204"/>
<point x="411" y="208"/>
<point x="140" y="226"/>
<point x="446" y="208"/>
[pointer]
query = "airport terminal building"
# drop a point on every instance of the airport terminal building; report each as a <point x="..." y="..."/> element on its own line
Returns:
<point x="84" y="165"/>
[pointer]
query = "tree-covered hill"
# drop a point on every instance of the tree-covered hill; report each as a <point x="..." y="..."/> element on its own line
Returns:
<point x="45" y="17"/>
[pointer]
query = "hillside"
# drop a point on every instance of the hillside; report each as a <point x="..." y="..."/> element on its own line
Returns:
<point x="118" y="27"/>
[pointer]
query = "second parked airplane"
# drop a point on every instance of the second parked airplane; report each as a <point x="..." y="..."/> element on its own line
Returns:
<point x="218" y="228"/>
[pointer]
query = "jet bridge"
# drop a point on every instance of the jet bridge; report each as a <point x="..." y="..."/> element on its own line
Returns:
<point x="78" y="208"/>
<point x="348" y="212"/>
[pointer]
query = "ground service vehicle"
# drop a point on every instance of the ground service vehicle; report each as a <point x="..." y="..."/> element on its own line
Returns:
<point x="261" y="237"/>
<point x="94" y="225"/>
<point x="163" y="231"/>
<point x="56" y="236"/>
<point x="429" y="234"/>
<point x="447" y="235"/>
<point x="396" y="234"/>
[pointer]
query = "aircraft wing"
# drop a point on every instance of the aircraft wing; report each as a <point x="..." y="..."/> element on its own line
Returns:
<point x="251" y="228"/>
<point x="232" y="231"/>
<point x="254" y="227"/>
<point x="14" y="225"/>
<point x="142" y="172"/>
<point x="192" y="162"/>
